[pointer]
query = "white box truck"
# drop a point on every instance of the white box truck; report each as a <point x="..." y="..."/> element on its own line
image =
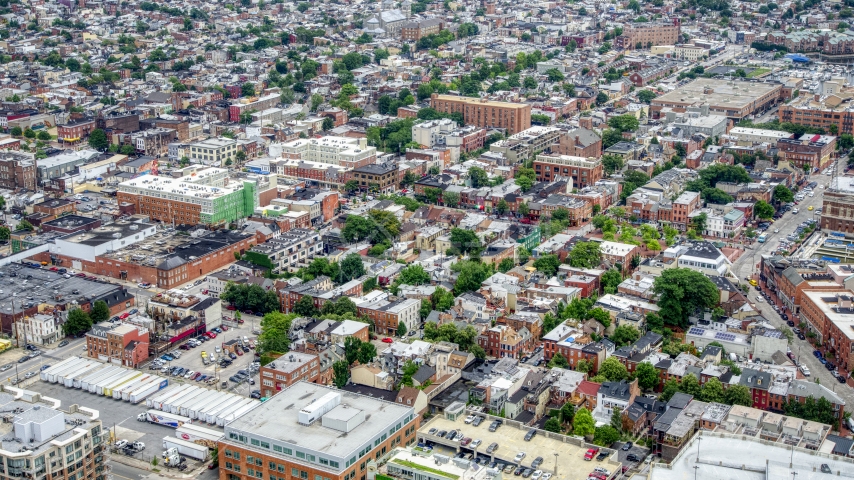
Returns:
<point x="68" y="367"/>
<point x="106" y="380"/>
<point x="162" y="418"/>
<point x="73" y="380"/>
<point x="87" y="381"/>
<point x="157" y="384"/>
<point x="211" y="413"/>
<point x="44" y="375"/>
<point x="131" y="385"/>
<point x="107" y="391"/>
<point x="202" y="399"/>
<point x="159" y="402"/>
<point x="200" y="435"/>
<point x="239" y="409"/>
<point x="187" y="449"/>
<point x="174" y="404"/>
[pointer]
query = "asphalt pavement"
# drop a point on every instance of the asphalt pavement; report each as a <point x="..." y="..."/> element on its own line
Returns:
<point x="746" y="266"/>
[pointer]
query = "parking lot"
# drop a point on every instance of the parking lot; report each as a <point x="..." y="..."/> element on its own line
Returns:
<point x="570" y="456"/>
<point x="118" y="416"/>
<point x="192" y="359"/>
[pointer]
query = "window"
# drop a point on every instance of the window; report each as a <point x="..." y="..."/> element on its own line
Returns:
<point x="300" y="454"/>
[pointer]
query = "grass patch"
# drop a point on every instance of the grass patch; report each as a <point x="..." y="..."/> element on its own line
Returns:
<point x="758" y="72"/>
<point x="416" y="466"/>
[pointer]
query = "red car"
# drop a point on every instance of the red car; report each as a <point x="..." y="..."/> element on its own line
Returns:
<point x="238" y="351"/>
<point x="211" y="334"/>
<point x="241" y="321"/>
<point x="224" y="328"/>
<point x="205" y="292"/>
<point x="388" y="340"/>
<point x="231" y="307"/>
<point x="53" y="269"/>
<point x="124" y="315"/>
<point x="81" y="274"/>
<point x="591" y="453"/>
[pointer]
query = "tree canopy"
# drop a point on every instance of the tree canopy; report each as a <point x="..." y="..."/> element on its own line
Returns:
<point x="250" y="297"/>
<point x="682" y="292"/>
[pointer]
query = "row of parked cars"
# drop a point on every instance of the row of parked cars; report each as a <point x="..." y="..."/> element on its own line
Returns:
<point x="830" y="366"/>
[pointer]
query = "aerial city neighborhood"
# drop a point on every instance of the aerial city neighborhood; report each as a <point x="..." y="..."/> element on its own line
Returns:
<point x="426" y="240"/>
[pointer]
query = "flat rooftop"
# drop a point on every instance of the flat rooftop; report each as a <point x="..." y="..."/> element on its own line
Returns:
<point x="731" y="457"/>
<point x="277" y="420"/>
<point x="22" y="287"/>
<point x="479" y="101"/>
<point x="717" y="93"/>
<point x="510" y="440"/>
<point x="167" y="250"/>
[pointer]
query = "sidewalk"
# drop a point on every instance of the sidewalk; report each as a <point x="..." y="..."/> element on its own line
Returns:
<point x="161" y="470"/>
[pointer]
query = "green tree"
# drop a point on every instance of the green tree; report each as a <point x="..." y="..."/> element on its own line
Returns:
<point x="583" y="424"/>
<point x="100" y="312"/>
<point x="605" y="435"/>
<point x="328" y="124"/>
<point x="671" y="387"/>
<point x="738" y="395"/>
<point x="558" y="361"/>
<point x="351" y="268"/>
<point x="77" y="323"/>
<point x="613" y="370"/>
<point x="682" y="292"/>
<point x="782" y="194"/>
<point x="304" y="307"/>
<point x="552" y="425"/>
<point x="763" y="210"/>
<point x="612" y="163"/>
<point x="567" y="412"/>
<point x="610" y="280"/>
<point x="625" y="335"/>
<point x="471" y="274"/>
<point x="584" y="366"/>
<point x="16" y="131"/>
<point x="478" y="352"/>
<point x="275" y="330"/>
<point x="401" y="329"/>
<point x="98" y="140"/>
<point x="451" y="199"/>
<point x="690" y="385"/>
<point x="341" y="372"/>
<point x="617" y="420"/>
<point x="506" y="265"/>
<point x="623" y="123"/>
<point x="43" y="136"/>
<point x="646" y="96"/>
<point x="5" y="233"/>
<point x="547" y="264"/>
<point x="647" y="375"/>
<point x="247" y="89"/>
<point x="585" y="255"/>
<point x="25" y="226"/>
<point x="478" y="177"/>
<point x="464" y="242"/>
<point x="712" y="391"/>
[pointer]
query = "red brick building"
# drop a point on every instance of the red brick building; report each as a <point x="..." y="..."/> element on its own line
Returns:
<point x="585" y="171"/>
<point x="287" y="370"/>
<point x="75" y="130"/>
<point x="501" y="341"/>
<point x="124" y="344"/>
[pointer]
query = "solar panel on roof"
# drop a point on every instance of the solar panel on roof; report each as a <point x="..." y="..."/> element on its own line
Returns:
<point x="725" y="336"/>
<point x="696" y="331"/>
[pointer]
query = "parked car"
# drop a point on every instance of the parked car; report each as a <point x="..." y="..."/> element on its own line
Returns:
<point x="627" y="446"/>
<point x="388" y="340"/>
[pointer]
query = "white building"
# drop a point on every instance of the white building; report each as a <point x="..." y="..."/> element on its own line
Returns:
<point x="342" y="151"/>
<point x="39" y="329"/>
<point x="99" y="241"/>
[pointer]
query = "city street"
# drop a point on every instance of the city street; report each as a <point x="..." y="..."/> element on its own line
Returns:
<point x="746" y="266"/>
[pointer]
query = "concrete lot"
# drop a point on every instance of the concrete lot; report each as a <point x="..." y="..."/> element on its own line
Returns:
<point x="570" y="460"/>
<point x="118" y="416"/>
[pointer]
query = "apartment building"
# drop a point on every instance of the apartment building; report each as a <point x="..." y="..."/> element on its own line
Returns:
<point x="578" y="142"/>
<point x="413" y="31"/>
<point x="17" y="170"/>
<point x="45" y="442"/>
<point x="122" y="344"/>
<point x="214" y="152"/>
<point x="287" y="252"/>
<point x="202" y="197"/>
<point x="514" y="117"/>
<point x="38" y="329"/>
<point x="837" y="213"/>
<point x="820" y="112"/>
<point x="377" y="177"/>
<point x="808" y="150"/>
<point x="502" y="341"/>
<point x="75" y="131"/>
<point x="259" y="105"/>
<point x="153" y="142"/>
<point x="584" y="171"/>
<point x="309" y="431"/>
<point x="387" y="316"/>
<point x="645" y="35"/>
<point x="172" y="307"/>
<point x="287" y="370"/>
<point x="523" y="145"/>
<point x="344" y="152"/>
<point x="830" y="316"/>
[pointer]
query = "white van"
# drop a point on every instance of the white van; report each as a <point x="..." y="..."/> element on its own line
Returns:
<point x="805" y="370"/>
